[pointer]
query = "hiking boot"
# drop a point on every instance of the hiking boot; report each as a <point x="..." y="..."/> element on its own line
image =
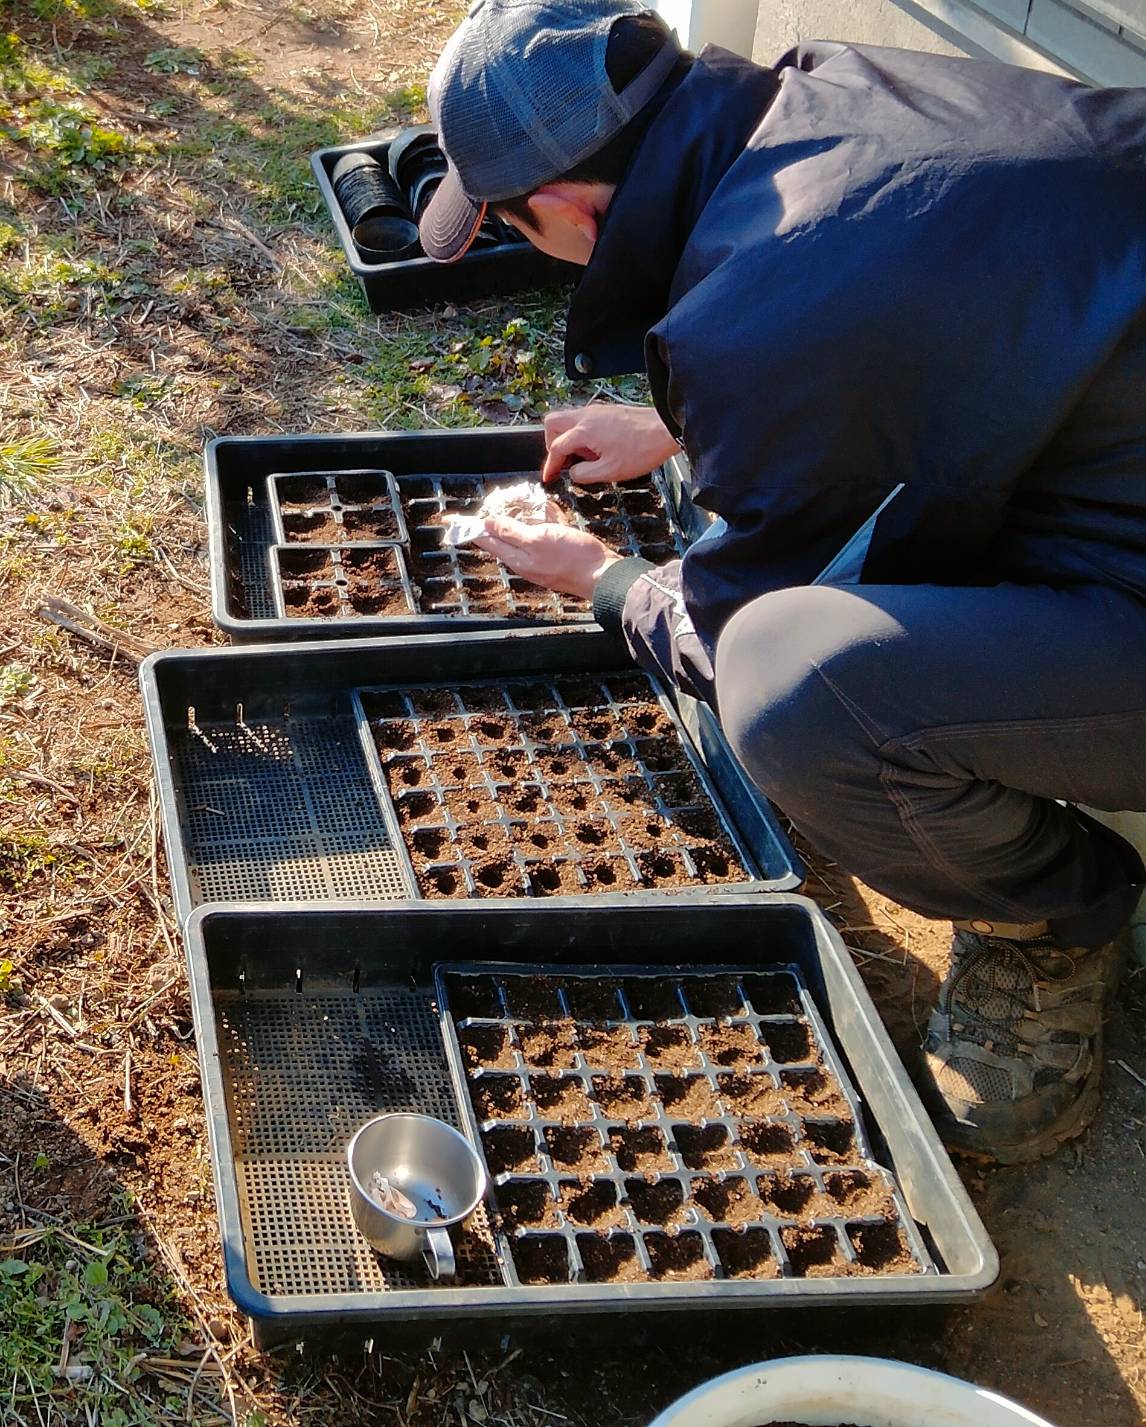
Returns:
<point x="1014" y="1047"/>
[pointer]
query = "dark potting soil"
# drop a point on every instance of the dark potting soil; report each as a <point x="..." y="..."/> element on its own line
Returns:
<point x="730" y="1045"/>
<point x="814" y="1251"/>
<point x="527" y="1203"/>
<point x="561" y="1098"/>
<point x="373" y="583"/>
<point x="640" y="1151"/>
<point x="575" y="1148"/>
<point x="510" y="1151"/>
<point x="622" y="1097"/>
<point x="656" y="1201"/>
<point x="310" y="602"/>
<point x="610" y="1049"/>
<point x="592" y="1204"/>
<point x="746" y="1094"/>
<point x="550" y="1044"/>
<point x="689" y="1096"/>
<point x="813" y="1093"/>
<point x="669" y="1046"/>
<point x="317" y="527"/>
<point x="541" y="1260"/>
<point x="746" y="1253"/>
<point x="376" y="524"/>
<point x="486" y="1046"/>
<point x="677" y="1257"/>
<point x="610" y="1259"/>
<point x="729" y="1201"/>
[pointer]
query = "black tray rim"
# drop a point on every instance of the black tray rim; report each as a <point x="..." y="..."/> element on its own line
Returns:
<point x="444" y="1305"/>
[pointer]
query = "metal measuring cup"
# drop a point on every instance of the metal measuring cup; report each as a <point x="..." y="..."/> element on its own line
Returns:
<point x="430" y="1169"/>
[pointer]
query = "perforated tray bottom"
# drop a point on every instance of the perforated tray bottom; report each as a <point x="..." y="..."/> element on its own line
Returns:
<point x="302" y="1072"/>
<point x="282" y="810"/>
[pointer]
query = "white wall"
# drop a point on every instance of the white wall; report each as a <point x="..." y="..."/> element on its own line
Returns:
<point x="731" y="23"/>
<point x="783" y="23"/>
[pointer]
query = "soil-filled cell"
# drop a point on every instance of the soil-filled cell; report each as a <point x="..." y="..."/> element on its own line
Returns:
<point x="610" y="760"/>
<point x="362" y="489"/>
<point x="473" y="996"/>
<point x="790" y="1042"/>
<point x="541" y="1259"/>
<point x="591" y="1204"/>
<point x="561" y="1097"/>
<point x="660" y="755"/>
<point x="730" y="1045"/>
<point x="399" y="735"/>
<point x="580" y="693"/>
<point x="499" y="1097"/>
<point x="377" y="524"/>
<point x="610" y="1258"/>
<point x="767" y="1144"/>
<point x="432" y="844"/>
<point x="678" y="790"/>
<point x="549" y="1044"/>
<point x="539" y="839"/>
<point x="814" y="1092"/>
<point x="772" y="995"/>
<point x="608" y="874"/>
<point x="670" y="1046"/>
<point x="787" y="1196"/>
<point x="481" y="699"/>
<point x="527" y="1203"/>
<point x="487" y="1047"/>
<point x="596" y="725"/>
<point x="746" y="1253"/>
<point x="630" y="688"/>
<point x="648" y="721"/>
<point x="705" y="1146"/>
<point x="641" y="1150"/>
<point x="749" y="1095"/>
<point x="653" y="999"/>
<point x="545" y="728"/>
<point x="714" y="998"/>
<point x="575" y="1148"/>
<point x="374" y="583"/>
<point x="316" y="527"/>
<point x="510" y="1151"/>
<point x="303" y="602"/>
<point x="442" y="882"/>
<point x="532" y="998"/>
<point x="813" y="1252"/>
<point x="506" y="765"/>
<point x="727" y="1200"/>
<point x="882" y="1248"/>
<point x="553" y="879"/>
<point x="527" y="800"/>
<point x="609" y="1048"/>
<point x="556" y="763"/>
<point x="388" y="703"/>
<point x="531" y="696"/>
<point x="831" y="1141"/>
<point x="434" y="703"/>
<point x="472" y="805"/>
<point x="622" y="1097"/>
<point x="302" y="492"/>
<point x="688" y="1096"/>
<point x="716" y="864"/>
<point x="481" y="842"/>
<point x="677" y="1257"/>
<point x="457" y="770"/>
<point x="496" y="877"/>
<point x="859" y="1196"/>
<point x="658" y="1202"/>
<point x="593" y="1000"/>
<point x="663" y="869"/>
<point x="420" y="805"/>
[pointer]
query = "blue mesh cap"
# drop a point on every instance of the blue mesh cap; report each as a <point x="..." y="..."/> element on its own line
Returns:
<point x="519" y="97"/>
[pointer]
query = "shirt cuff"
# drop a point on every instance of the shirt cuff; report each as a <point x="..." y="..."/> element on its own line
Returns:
<point x="613" y="589"/>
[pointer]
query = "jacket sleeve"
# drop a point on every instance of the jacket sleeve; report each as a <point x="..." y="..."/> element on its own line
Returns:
<point x="646" y="603"/>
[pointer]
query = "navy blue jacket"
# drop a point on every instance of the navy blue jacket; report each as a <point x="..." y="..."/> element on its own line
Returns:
<point x="868" y="267"/>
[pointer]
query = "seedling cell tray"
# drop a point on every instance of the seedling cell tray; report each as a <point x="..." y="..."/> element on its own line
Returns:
<point x="272" y="787"/>
<point x="356" y="581"/>
<point x="267" y="491"/>
<point x="642" y="1127"/>
<point x="500" y="267"/>
<point x="310" y="1021"/>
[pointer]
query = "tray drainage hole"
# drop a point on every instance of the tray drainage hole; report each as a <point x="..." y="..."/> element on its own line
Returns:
<point x="677" y="1256"/>
<point x="561" y="1097"/>
<point x="532" y="998"/>
<point x="882" y="1248"/>
<point x="768" y="1143"/>
<point x="752" y="1095"/>
<point x="746" y="1253"/>
<point x="549" y="1044"/>
<point x="611" y="1049"/>
<point x="416" y="805"/>
<point x="831" y="1141"/>
<point x="688" y="1095"/>
<point x="813" y="1252"/>
<point x="729" y="1200"/>
<point x="575" y="1148"/>
<point x="527" y="1202"/>
<point x="609" y="1258"/>
<point x="510" y="1150"/>
<point x="658" y="1202"/>
<point x="473" y="996"/>
<point x="730" y="1045"/>
<point x="499" y="1097"/>
<point x="400" y="734"/>
<point x="592" y="1205"/>
<point x="772" y="995"/>
<point x="815" y="1091"/>
<point x="714" y="999"/>
<point x="622" y="1097"/>
<point x="668" y="1045"/>
<point x="541" y="1259"/>
<point x="653" y="999"/>
<point x="704" y="1146"/>
<point x="789" y="1041"/>
<point x="640" y="1151"/>
<point x="486" y="1047"/>
<point x="786" y="1198"/>
<point x="857" y="1194"/>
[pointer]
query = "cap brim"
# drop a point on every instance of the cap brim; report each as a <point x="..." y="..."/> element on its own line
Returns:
<point x="451" y="221"/>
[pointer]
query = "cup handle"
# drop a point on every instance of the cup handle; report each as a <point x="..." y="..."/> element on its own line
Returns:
<point x="438" y="1251"/>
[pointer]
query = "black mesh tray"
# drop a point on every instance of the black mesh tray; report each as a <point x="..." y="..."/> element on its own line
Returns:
<point x="435" y="473"/>
<point x="639" y="1126"/>
<point x="310" y="1021"/>
<point x="267" y="792"/>
<point x="505" y="267"/>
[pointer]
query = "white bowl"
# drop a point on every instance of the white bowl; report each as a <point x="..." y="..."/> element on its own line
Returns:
<point x="826" y="1391"/>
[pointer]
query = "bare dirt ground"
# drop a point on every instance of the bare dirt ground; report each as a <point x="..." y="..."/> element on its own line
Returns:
<point x="165" y="275"/>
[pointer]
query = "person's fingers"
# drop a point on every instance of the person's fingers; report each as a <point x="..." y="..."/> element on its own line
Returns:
<point x="558" y="421"/>
<point x="598" y="472"/>
<point x="561" y="449"/>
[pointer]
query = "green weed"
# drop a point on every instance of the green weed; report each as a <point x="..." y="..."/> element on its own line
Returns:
<point x="24" y="464"/>
<point x="179" y="59"/>
<point x="16" y="683"/>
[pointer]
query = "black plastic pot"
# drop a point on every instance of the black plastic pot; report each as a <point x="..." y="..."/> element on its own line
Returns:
<point x="375" y="209"/>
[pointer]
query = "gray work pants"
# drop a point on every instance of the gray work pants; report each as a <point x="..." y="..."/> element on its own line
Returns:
<point x="927" y="738"/>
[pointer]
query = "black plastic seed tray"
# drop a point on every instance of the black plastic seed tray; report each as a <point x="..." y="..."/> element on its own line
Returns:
<point x="639" y="1126"/>
<point x="316" y="507"/>
<point x="436" y="475"/>
<point x="546" y="787"/>
<point x="268" y="793"/>
<point x="310" y="1021"/>
<point x="497" y="267"/>
<point x="358" y="581"/>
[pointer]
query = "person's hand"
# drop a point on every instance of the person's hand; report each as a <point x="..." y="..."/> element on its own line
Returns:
<point x="552" y="554"/>
<point x="614" y="443"/>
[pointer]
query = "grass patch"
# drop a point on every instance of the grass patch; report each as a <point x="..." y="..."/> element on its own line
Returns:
<point x="25" y="463"/>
